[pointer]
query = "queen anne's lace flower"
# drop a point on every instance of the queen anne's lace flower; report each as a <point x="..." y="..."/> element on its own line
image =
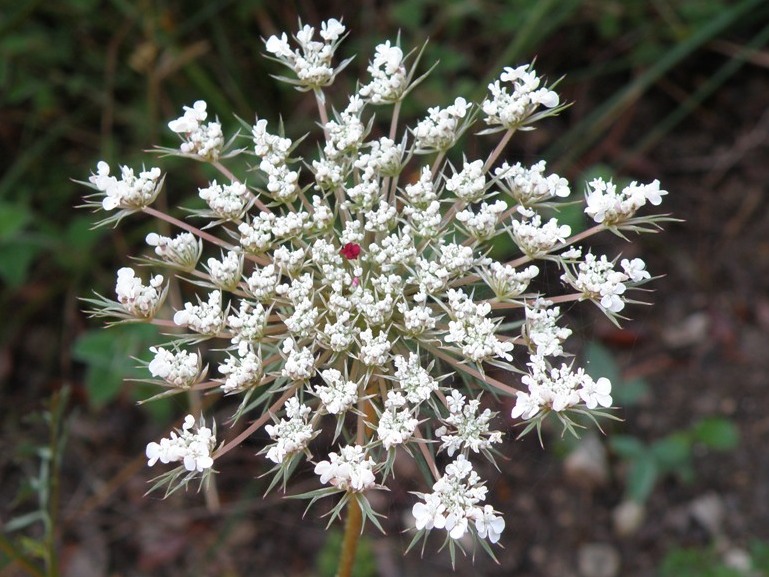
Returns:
<point x="536" y="239"/>
<point x="226" y="201"/>
<point x="388" y="76"/>
<point x="559" y="389"/>
<point x="397" y="423"/>
<point x="355" y="287"/>
<point x="206" y="318"/>
<point x="349" y="470"/>
<point x="179" y="369"/>
<point x="515" y="97"/>
<point x="202" y="140"/>
<point x="130" y="192"/>
<point x="312" y="61"/>
<point x="290" y="435"/>
<point x="339" y="394"/>
<point x="192" y="448"/>
<point x="607" y="206"/>
<point x="470" y="430"/>
<point x="529" y="186"/>
<point x="226" y="273"/>
<point x="183" y="250"/>
<point x="241" y="372"/>
<point x="597" y="280"/>
<point x="442" y="127"/>
<point x="137" y="299"/>
<point x="454" y="505"/>
<point x="540" y="330"/>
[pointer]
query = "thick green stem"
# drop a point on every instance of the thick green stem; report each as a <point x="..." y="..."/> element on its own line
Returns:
<point x="352" y="531"/>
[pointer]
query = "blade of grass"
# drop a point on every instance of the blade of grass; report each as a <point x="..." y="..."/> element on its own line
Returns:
<point x="589" y="129"/>
<point x="543" y="19"/>
<point x="703" y="92"/>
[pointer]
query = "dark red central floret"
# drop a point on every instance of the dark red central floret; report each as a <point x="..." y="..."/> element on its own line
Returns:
<point x="350" y="251"/>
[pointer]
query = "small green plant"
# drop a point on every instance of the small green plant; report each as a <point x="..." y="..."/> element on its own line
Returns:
<point x="30" y="540"/>
<point x="707" y="562"/>
<point x="648" y="463"/>
<point x="695" y="562"/>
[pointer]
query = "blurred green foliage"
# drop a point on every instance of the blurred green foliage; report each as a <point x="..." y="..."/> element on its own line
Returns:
<point x="599" y="362"/>
<point x="648" y="463"/>
<point x="705" y="562"/>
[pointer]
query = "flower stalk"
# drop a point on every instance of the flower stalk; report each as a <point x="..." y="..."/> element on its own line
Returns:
<point x="353" y="528"/>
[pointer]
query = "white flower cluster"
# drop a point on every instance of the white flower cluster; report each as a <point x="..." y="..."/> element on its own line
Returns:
<point x="241" y="372"/>
<point x="183" y="250"/>
<point x="290" y="435"/>
<point x="512" y="108"/>
<point x="312" y="61"/>
<point x="442" y="127"/>
<point x="349" y="470"/>
<point x="137" y="299"/>
<point x="529" y="185"/>
<point x="597" y="280"/>
<point x="559" y="389"/>
<point x="130" y="192"/>
<point x="471" y="430"/>
<point x="193" y="448"/>
<point x="454" y="505"/>
<point x="206" y="318"/>
<point x="202" y="140"/>
<point x="388" y="76"/>
<point x="343" y="288"/>
<point x="608" y="207"/>
<point x="178" y="369"/>
<point x="226" y="201"/>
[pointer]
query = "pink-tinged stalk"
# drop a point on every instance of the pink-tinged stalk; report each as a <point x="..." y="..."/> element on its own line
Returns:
<point x="499" y="385"/>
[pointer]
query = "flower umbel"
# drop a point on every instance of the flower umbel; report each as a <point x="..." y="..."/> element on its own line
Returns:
<point x="352" y="289"/>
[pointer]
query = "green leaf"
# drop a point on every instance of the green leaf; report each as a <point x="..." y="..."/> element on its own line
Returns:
<point x="717" y="433"/>
<point x="627" y="446"/>
<point x="15" y="261"/>
<point x="108" y="352"/>
<point x="600" y="363"/>
<point x="630" y="393"/>
<point x="13" y="218"/>
<point x="642" y="477"/>
<point x="673" y="451"/>
<point x="23" y="521"/>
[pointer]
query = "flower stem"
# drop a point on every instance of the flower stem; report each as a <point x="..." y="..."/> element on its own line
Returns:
<point x="498" y="150"/>
<point x="352" y="532"/>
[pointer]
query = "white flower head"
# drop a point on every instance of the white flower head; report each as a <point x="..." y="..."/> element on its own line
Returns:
<point x="139" y="300"/>
<point x="311" y="62"/>
<point x="454" y="505"/>
<point x="291" y="435"/>
<point x="192" y="445"/>
<point x="515" y="97"/>
<point x="182" y="251"/>
<point x="349" y="470"/>
<point x="177" y="368"/>
<point x="131" y="192"/>
<point x="388" y="76"/>
<point x="352" y="283"/>
<point x="201" y="140"/>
